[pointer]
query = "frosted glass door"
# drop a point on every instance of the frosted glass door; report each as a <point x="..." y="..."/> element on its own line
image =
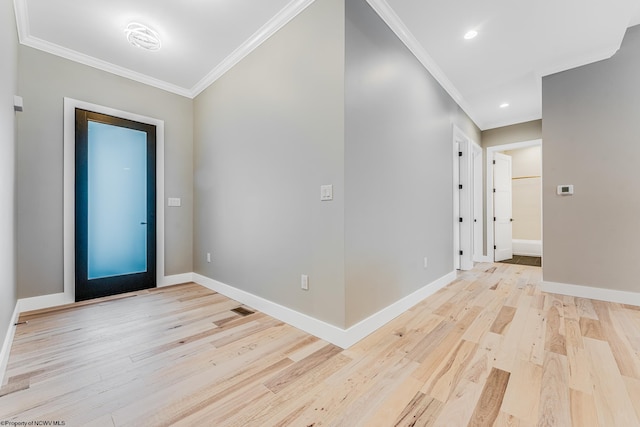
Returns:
<point x="115" y="202"/>
<point x="117" y="198"/>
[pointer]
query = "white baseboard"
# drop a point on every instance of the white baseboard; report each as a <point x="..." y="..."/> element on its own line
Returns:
<point x="8" y="340"/>
<point x="527" y="247"/>
<point x="611" y="295"/>
<point x="43" y="301"/>
<point x="343" y="338"/>
<point x="54" y="300"/>
<point x="369" y="325"/>
<point x="175" y="279"/>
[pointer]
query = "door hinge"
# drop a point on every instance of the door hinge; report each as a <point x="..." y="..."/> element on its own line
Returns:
<point x="494" y="190"/>
<point x="459" y="153"/>
<point x="494" y="162"/>
<point x="461" y="252"/>
<point x="495" y="247"/>
<point x="460" y="187"/>
<point x="494" y="218"/>
<point x="460" y="219"/>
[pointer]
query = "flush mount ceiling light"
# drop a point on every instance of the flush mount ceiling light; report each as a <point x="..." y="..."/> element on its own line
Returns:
<point x="142" y="36"/>
<point x="504" y="105"/>
<point x="471" y="34"/>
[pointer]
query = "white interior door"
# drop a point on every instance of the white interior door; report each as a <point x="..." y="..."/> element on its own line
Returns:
<point x="465" y="217"/>
<point x="502" y="226"/>
<point x="478" y="217"/>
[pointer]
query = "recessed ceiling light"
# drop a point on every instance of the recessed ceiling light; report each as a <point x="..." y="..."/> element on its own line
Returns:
<point x="142" y="36"/>
<point x="470" y="34"/>
<point x="504" y="105"/>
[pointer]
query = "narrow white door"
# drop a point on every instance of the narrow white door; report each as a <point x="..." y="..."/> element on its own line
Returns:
<point x="478" y="241"/>
<point x="502" y="225"/>
<point x="465" y="214"/>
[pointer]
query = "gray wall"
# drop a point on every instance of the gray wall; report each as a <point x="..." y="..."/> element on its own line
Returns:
<point x="44" y="81"/>
<point x="520" y="132"/>
<point x="267" y="135"/>
<point x="591" y="138"/>
<point x="8" y="88"/>
<point x="399" y="173"/>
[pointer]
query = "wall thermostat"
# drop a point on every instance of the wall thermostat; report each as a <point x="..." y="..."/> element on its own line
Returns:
<point x="565" y="190"/>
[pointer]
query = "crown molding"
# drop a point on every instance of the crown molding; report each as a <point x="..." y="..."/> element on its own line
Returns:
<point x="266" y="31"/>
<point x="22" y="18"/>
<point x="90" y="61"/>
<point x="82" y="58"/>
<point x="292" y="10"/>
<point x="295" y="7"/>
<point x="389" y="16"/>
<point x="25" y="38"/>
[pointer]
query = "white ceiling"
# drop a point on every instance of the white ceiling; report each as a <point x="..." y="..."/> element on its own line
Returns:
<point x="518" y="42"/>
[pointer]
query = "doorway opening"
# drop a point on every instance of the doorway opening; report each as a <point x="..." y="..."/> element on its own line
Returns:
<point x="154" y="267"/>
<point x="467" y="201"/>
<point x="514" y="203"/>
<point x="115" y="206"/>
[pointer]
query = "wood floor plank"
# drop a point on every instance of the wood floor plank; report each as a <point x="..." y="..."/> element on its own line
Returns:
<point x="612" y="402"/>
<point x="555" y="340"/>
<point x="293" y="402"/>
<point x="373" y="395"/>
<point x="422" y="411"/>
<point x="621" y="347"/>
<point x="583" y="409"/>
<point x="488" y="349"/>
<point x="300" y="368"/>
<point x="448" y="374"/>
<point x="508" y="420"/>
<point x="431" y="360"/>
<point x="482" y="324"/>
<point x="532" y="340"/>
<point x="457" y="410"/>
<point x="554" y="407"/>
<point x="579" y="370"/>
<point x="387" y="413"/>
<point x="633" y="389"/>
<point x="591" y="328"/>
<point x="488" y="406"/>
<point x="522" y="396"/>
<point x="502" y="322"/>
<point x="506" y="356"/>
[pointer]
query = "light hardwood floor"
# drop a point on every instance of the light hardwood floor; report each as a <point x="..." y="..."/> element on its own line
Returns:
<point x="489" y="349"/>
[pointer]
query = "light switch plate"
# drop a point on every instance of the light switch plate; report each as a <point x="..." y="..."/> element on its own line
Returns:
<point x="18" y="103"/>
<point x="326" y="192"/>
<point x="174" y="201"/>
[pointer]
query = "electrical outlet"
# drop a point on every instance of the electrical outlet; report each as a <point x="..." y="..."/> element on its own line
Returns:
<point x="426" y="264"/>
<point x="304" y="282"/>
<point x="208" y="257"/>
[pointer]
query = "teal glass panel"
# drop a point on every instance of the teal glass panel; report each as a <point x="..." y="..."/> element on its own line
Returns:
<point x="117" y="211"/>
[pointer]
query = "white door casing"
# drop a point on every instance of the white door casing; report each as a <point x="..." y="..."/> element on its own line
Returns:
<point x="502" y="208"/>
<point x="462" y="201"/>
<point x="488" y="221"/>
<point x="478" y="196"/>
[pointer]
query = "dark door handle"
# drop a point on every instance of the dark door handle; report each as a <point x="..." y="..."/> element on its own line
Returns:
<point x="143" y="223"/>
